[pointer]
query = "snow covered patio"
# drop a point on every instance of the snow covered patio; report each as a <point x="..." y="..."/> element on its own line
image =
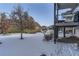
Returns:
<point x="33" y="45"/>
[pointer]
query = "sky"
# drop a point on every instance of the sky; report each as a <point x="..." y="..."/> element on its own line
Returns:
<point x="41" y="12"/>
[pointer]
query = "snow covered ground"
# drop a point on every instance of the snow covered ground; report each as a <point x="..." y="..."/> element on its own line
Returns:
<point x="33" y="45"/>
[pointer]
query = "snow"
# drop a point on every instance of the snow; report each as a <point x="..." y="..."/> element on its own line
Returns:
<point x="33" y="45"/>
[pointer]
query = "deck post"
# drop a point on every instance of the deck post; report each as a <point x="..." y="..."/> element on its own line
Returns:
<point x="54" y="23"/>
<point x="55" y="20"/>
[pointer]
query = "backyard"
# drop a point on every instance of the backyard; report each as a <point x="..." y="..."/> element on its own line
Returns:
<point x="33" y="45"/>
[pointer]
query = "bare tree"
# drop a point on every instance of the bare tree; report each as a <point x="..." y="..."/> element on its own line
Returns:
<point x="31" y="23"/>
<point x="12" y="15"/>
<point x="3" y="17"/>
<point x="19" y="12"/>
<point x="25" y="15"/>
<point x="25" y="20"/>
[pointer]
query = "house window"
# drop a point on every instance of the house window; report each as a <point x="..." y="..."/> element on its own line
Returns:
<point x="69" y="31"/>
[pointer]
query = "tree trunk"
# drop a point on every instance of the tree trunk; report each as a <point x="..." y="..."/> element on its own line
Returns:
<point x="21" y="28"/>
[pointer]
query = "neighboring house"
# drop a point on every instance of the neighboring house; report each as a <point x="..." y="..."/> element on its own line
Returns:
<point x="69" y="19"/>
<point x="51" y="27"/>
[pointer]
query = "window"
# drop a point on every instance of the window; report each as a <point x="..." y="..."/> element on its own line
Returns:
<point x="69" y="31"/>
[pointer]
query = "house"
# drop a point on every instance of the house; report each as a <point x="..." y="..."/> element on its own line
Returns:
<point x="70" y="24"/>
<point x="69" y="17"/>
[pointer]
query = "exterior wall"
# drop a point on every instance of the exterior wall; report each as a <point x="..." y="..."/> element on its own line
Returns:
<point x="69" y="31"/>
<point x="77" y="32"/>
<point x="60" y="32"/>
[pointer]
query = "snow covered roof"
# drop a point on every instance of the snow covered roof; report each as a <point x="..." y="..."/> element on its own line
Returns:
<point x="67" y="13"/>
<point x="72" y="10"/>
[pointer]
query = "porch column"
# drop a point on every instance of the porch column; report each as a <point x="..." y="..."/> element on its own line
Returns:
<point x="54" y="23"/>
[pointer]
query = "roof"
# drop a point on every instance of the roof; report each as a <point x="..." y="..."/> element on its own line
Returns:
<point x="66" y="5"/>
<point x="67" y="13"/>
<point x="67" y="24"/>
